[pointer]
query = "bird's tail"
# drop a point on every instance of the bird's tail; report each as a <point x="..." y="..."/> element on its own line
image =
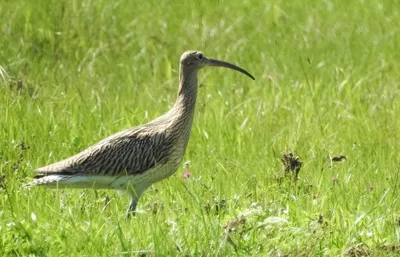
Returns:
<point x="75" y="181"/>
<point x="49" y="181"/>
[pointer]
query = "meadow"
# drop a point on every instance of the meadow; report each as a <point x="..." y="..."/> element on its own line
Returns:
<point x="327" y="84"/>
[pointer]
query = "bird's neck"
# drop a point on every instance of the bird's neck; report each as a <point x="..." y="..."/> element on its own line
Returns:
<point x="186" y="100"/>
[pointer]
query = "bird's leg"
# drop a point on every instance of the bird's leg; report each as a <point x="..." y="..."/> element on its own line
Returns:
<point x="132" y="207"/>
<point x="135" y="195"/>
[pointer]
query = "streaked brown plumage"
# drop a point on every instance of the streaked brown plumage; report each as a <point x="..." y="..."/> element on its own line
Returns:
<point x="134" y="159"/>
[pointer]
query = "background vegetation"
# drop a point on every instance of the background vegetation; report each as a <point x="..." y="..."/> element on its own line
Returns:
<point x="327" y="84"/>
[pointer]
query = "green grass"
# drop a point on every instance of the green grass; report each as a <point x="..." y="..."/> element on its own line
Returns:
<point x="327" y="83"/>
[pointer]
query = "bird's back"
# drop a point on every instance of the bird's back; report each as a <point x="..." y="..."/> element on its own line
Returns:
<point x="130" y="152"/>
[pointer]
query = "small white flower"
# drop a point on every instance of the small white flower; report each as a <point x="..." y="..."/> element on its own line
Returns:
<point x="273" y="221"/>
<point x="33" y="216"/>
<point x="253" y="204"/>
<point x="236" y="197"/>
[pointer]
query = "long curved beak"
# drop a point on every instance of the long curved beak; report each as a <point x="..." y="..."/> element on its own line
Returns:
<point x="213" y="62"/>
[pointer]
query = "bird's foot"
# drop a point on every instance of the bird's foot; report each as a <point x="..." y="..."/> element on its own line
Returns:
<point x="130" y="214"/>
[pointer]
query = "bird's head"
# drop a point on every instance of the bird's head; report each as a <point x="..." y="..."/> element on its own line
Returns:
<point x="196" y="60"/>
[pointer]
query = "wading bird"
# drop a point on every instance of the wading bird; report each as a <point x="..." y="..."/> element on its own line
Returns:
<point x="134" y="159"/>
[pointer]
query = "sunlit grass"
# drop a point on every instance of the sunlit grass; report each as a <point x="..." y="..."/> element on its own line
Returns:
<point x="327" y="84"/>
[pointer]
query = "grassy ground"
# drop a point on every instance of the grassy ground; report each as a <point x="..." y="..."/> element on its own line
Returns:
<point x="327" y="83"/>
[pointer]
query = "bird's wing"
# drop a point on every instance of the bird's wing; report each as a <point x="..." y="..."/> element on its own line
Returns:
<point x="126" y="153"/>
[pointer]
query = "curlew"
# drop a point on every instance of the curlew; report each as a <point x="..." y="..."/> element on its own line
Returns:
<point x="134" y="159"/>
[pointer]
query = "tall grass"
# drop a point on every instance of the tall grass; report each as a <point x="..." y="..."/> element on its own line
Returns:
<point x="327" y="84"/>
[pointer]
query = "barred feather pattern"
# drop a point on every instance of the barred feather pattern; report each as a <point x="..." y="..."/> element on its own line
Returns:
<point x="139" y="156"/>
<point x="133" y="159"/>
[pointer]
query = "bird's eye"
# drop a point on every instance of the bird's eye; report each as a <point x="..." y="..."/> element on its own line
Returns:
<point x="200" y="56"/>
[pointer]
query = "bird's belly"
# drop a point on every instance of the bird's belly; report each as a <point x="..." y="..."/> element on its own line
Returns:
<point x="138" y="183"/>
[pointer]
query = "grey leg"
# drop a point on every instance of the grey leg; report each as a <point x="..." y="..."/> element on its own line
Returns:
<point x="132" y="207"/>
<point x="135" y="194"/>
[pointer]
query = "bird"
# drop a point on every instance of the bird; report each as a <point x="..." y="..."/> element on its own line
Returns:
<point x="132" y="160"/>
